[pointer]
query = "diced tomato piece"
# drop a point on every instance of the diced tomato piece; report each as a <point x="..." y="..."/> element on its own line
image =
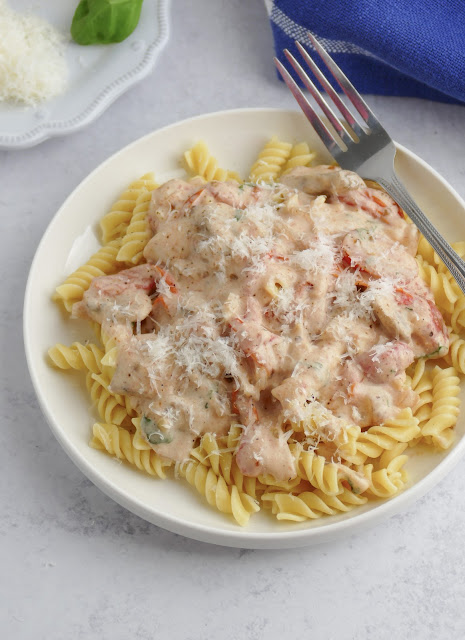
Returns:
<point x="347" y="200"/>
<point x="147" y="285"/>
<point x="377" y="200"/>
<point x="404" y="297"/>
<point x="347" y="262"/>
<point x="168" y="279"/>
<point x="361" y="285"/>
<point x="256" y="192"/>
<point x="436" y="317"/>
<point x="377" y="213"/>
<point x="192" y="199"/>
<point x="253" y="357"/>
<point x="159" y="300"/>
<point x="275" y="257"/>
<point x="400" y="211"/>
<point x="234" y="407"/>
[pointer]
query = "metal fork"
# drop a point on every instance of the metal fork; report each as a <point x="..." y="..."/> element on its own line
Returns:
<point x="366" y="149"/>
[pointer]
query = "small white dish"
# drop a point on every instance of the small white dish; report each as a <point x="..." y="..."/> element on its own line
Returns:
<point x="97" y="75"/>
<point x="235" y="137"/>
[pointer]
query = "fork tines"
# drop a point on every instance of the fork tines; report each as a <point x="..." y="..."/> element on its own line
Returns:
<point x="347" y="128"/>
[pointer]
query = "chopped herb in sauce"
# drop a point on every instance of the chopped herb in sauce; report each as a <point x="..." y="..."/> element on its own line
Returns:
<point x="353" y="487"/>
<point x="153" y="433"/>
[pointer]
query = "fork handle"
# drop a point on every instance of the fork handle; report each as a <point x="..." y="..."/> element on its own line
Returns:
<point x="453" y="262"/>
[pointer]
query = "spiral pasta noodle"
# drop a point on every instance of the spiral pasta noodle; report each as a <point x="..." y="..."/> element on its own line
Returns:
<point x="102" y="263"/>
<point x="211" y="453"/>
<point x="137" y="234"/>
<point x="426" y="251"/>
<point x="114" y="224"/>
<point x="456" y="355"/>
<point x="119" y="443"/>
<point x="138" y="441"/>
<point x="330" y="478"/>
<point x="387" y="481"/>
<point x="346" y="444"/>
<point x="443" y="291"/>
<point x="300" y="156"/>
<point x="225" y="498"/>
<point x="78" y="356"/>
<point x="445" y="407"/>
<point x="372" y="443"/>
<point x="458" y="315"/>
<point x="270" y="483"/>
<point x="109" y="359"/>
<point x="271" y="160"/>
<point x="421" y="381"/>
<point x="321" y="474"/>
<point x="112" y="409"/>
<point x="310" y="505"/>
<point x="200" y="162"/>
<point x="219" y="455"/>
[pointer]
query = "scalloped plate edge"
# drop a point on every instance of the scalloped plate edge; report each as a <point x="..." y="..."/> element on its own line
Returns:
<point x="108" y="95"/>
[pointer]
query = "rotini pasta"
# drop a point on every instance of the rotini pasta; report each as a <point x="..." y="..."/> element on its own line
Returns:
<point x="310" y="505"/>
<point x="271" y="160"/>
<point x="426" y="251"/>
<point x="78" y="356"/>
<point x="443" y="291"/>
<point x="456" y="355"/>
<point x="388" y="480"/>
<point x="200" y="162"/>
<point x="220" y="457"/>
<point x="373" y="442"/>
<point x="227" y="499"/>
<point x="111" y="351"/>
<point x="116" y="221"/>
<point x="321" y="474"/>
<point x="458" y="315"/>
<point x="102" y="263"/>
<point x="112" y="409"/>
<point x="211" y="453"/>
<point x="422" y="383"/>
<point x="119" y="443"/>
<point x="300" y="156"/>
<point x="137" y="233"/>
<point x="445" y="408"/>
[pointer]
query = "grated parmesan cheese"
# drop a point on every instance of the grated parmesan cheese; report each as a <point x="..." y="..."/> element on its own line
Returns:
<point x="194" y="348"/>
<point x="318" y="258"/>
<point x="32" y="61"/>
<point x="248" y="237"/>
<point x="360" y="305"/>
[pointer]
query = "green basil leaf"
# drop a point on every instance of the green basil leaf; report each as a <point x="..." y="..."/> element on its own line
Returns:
<point x="105" y="21"/>
<point x="153" y="433"/>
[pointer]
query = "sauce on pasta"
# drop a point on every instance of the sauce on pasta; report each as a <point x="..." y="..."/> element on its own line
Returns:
<point x="295" y="306"/>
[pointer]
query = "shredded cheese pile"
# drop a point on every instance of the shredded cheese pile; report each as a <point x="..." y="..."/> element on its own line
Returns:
<point x="32" y="62"/>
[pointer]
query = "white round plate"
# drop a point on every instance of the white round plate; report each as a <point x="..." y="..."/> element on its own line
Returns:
<point x="235" y="137"/>
<point x="98" y="74"/>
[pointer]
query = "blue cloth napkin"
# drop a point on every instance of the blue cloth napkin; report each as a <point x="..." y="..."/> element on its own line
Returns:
<point x="387" y="47"/>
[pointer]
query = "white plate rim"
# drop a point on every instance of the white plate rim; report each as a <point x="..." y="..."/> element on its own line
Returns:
<point x="240" y="538"/>
<point x="54" y="128"/>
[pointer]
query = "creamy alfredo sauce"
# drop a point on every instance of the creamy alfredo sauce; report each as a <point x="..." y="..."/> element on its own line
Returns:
<point x="297" y="305"/>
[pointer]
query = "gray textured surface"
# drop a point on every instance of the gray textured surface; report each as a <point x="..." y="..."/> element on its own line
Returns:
<point x="75" y="564"/>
